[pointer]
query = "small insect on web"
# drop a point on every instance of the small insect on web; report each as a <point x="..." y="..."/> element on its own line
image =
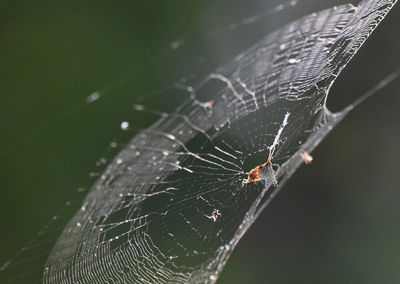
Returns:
<point x="265" y="172"/>
<point x="215" y="215"/>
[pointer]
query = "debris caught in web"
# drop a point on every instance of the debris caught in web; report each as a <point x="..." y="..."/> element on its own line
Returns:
<point x="124" y="125"/>
<point x="306" y="157"/>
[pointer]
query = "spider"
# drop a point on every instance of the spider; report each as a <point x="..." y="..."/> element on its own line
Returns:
<point x="263" y="172"/>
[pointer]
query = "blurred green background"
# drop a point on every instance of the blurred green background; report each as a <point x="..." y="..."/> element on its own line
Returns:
<point x="336" y="221"/>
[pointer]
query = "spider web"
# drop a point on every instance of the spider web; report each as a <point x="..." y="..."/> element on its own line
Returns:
<point x="172" y="205"/>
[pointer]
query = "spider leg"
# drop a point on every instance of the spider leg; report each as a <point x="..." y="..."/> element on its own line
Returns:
<point x="271" y="153"/>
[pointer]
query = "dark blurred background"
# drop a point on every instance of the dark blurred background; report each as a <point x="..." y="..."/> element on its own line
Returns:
<point x="337" y="219"/>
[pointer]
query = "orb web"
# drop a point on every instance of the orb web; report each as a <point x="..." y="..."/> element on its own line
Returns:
<point x="172" y="205"/>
